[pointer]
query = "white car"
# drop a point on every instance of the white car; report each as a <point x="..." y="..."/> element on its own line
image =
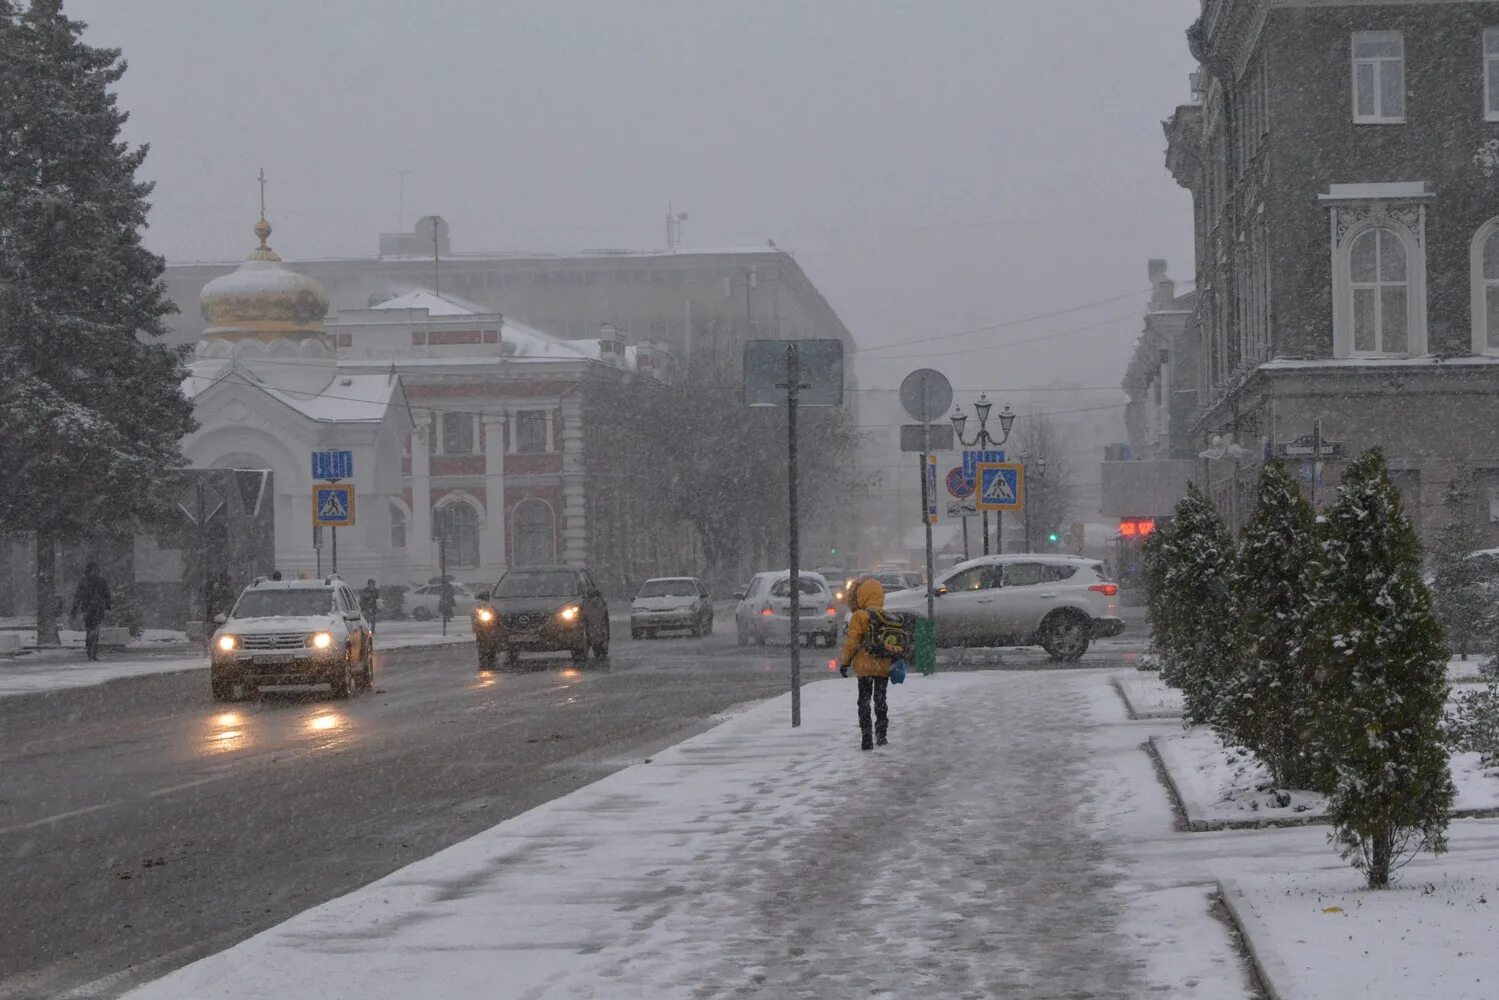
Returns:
<point x="764" y="610"/>
<point x="293" y="632"/>
<point x="674" y="602"/>
<point x="422" y="602"/>
<point x="1060" y="603"/>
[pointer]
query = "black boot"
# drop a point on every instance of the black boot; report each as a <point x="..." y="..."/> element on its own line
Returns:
<point x="881" y="740"/>
<point x="866" y="743"/>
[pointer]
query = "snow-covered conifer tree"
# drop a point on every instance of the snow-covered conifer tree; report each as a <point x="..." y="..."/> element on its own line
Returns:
<point x="1375" y="654"/>
<point x="91" y="409"/>
<point x="1189" y="565"/>
<point x="1266" y="703"/>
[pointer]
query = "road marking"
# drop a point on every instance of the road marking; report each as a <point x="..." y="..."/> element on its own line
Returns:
<point x="191" y="784"/>
<point x="53" y="819"/>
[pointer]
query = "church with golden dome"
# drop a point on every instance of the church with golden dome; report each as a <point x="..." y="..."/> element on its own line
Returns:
<point x="267" y="393"/>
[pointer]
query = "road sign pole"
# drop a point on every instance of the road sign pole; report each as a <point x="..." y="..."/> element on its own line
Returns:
<point x="966" y="556"/>
<point x="926" y="520"/>
<point x="985" y="516"/>
<point x="999" y="532"/>
<point x="334" y="529"/>
<point x="793" y="384"/>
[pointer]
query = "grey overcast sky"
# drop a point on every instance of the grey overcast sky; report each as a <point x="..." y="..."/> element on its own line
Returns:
<point x="934" y="166"/>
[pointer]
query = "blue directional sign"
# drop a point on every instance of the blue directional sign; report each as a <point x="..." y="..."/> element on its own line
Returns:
<point x="333" y="464"/>
<point x="971" y="460"/>
<point x="333" y="506"/>
<point x="1001" y="486"/>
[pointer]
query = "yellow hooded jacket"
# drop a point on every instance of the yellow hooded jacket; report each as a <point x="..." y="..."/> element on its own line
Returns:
<point x="868" y="593"/>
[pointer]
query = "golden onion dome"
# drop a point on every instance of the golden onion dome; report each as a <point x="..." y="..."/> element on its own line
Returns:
<point x="263" y="297"/>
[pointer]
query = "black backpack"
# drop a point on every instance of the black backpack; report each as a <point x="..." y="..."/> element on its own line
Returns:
<point x="890" y="635"/>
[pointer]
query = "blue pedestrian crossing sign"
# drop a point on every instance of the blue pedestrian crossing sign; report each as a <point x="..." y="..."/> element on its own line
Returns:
<point x="333" y="506"/>
<point x="1001" y="486"/>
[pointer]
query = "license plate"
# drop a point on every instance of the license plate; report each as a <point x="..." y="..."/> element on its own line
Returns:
<point x="274" y="658"/>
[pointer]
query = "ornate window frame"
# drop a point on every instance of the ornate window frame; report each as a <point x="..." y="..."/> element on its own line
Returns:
<point x="1480" y="308"/>
<point x="1398" y="209"/>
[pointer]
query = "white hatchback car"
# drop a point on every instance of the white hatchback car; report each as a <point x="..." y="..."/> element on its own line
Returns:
<point x="1060" y="603"/>
<point x="764" y="610"/>
<point x="424" y="603"/>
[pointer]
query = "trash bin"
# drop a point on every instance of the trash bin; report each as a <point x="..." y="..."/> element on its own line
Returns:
<point x="926" y="646"/>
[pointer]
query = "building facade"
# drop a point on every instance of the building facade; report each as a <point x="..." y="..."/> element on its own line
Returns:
<point x="1342" y="157"/>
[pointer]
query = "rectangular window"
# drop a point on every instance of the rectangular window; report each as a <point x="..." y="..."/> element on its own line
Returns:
<point x="457" y="433"/>
<point x="1378" y="77"/>
<point x="531" y="431"/>
<point x="1491" y="74"/>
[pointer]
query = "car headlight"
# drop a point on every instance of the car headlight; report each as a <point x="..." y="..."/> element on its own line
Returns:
<point x="228" y="642"/>
<point x="321" y="640"/>
<point x="484" y="615"/>
<point x="568" y="613"/>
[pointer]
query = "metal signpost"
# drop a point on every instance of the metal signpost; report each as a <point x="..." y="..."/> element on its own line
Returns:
<point x="926" y="394"/>
<point x="333" y="504"/>
<point x="793" y="373"/>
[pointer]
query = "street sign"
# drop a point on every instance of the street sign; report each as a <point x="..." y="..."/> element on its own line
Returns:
<point x="333" y="464"/>
<point x="960" y="501"/>
<point x="971" y="460"/>
<point x="959" y="485"/>
<point x="1001" y="486"/>
<point x="333" y="506"/>
<point x="819" y="364"/>
<point x="931" y="489"/>
<point x="926" y="394"/>
<point x="1307" y="446"/>
<point x="913" y="437"/>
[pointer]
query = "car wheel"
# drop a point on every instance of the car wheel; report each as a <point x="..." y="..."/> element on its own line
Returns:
<point x="512" y="659"/>
<point x="367" y="678"/>
<point x="343" y="684"/>
<point x="708" y="624"/>
<point x="487" y="657"/>
<point x="1064" y="636"/>
<point x="580" y="654"/>
<point x="421" y="614"/>
<point x="637" y="633"/>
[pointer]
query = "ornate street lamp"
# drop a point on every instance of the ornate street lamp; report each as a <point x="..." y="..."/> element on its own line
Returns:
<point x="983" y="439"/>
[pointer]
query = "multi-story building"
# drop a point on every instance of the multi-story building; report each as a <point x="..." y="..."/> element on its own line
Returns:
<point x="1342" y="157"/>
<point x="702" y="304"/>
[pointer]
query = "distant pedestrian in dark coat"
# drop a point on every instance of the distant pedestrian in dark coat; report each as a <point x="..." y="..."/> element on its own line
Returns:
<point x="91" y="601"/>
<point x="369" y="601"/>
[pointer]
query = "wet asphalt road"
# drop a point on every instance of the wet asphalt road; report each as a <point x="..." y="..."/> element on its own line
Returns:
<point x="143" y="825"/>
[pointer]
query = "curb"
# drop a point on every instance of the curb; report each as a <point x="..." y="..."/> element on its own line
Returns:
<point x="1134" y="712"/>
<point x="1194" y="822"/>
<point x="1274" y="975"/>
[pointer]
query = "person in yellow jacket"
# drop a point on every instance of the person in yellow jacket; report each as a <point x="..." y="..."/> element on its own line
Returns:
<point x="873" y="671"/>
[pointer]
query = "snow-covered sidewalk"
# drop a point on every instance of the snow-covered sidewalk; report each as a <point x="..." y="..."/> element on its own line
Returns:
<point x="970" y="858"/>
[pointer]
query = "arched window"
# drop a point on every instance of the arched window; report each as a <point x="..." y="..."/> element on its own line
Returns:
<point x="1485" y="265"/>
<point x="535" y="534"/>
<point x="1379" y="282"/>
<point x="397" y="527"/>
<point x="457" y="523"/>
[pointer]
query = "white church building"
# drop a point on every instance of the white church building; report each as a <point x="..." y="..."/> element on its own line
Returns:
<point x="268" y="392"/>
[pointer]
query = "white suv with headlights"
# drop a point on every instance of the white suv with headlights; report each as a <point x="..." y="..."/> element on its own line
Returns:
<point x="293" y="632"/>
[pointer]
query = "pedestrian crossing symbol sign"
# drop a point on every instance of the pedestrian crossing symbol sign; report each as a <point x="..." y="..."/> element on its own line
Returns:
<point x="1001" y="486"/>
<point x="333" y="505"/>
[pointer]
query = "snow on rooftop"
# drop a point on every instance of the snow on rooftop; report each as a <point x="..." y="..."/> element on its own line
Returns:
<point x="347" y="398"/>
<point x="436" y="305"/>
<point x="520" y="341"/>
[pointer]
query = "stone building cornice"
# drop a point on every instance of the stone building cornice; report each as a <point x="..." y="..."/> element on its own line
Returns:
<point x="1224" y="37"/>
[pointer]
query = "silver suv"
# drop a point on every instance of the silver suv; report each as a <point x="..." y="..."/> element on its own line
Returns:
<point x="1060" y="603"/>
<point x="293" y="632"/>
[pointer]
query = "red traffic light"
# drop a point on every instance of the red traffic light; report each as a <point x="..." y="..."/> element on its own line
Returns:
<point x="1136" y="527"/>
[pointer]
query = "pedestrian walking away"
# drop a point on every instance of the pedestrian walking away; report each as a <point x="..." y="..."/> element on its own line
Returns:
<point x="91" y="601"/>
<point x="867" y="650"/>
<point x="369" y="601"/>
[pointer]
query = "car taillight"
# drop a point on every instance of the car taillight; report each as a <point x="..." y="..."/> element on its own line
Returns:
<point x="832" y="611"/>
<point x="1106" y="589"/>
<point x="766" y="611"/>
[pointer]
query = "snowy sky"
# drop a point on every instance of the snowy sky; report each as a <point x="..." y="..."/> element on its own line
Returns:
<point x="934" y="166"/>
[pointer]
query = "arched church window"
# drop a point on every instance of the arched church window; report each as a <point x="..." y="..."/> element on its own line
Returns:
<point x="1380" y="287"/>
<point x="535" y="534"/>
<point x="458" y="524"/>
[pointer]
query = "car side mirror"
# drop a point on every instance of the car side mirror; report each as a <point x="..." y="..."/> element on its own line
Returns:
<point x="938" y="591"/>
<point x="482" y="595"/>
<point x="739" y="595"/>
<point x="220" y="618"/>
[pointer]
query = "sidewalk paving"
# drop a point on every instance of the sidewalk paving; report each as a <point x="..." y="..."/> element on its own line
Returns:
<point x="978" y="856"/>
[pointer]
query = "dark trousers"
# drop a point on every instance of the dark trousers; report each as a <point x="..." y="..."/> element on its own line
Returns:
<point x="876" y="686"/>
<point x="91" y="639"/>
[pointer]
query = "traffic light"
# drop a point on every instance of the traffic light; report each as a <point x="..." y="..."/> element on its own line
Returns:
<point x="1053" y="537"/>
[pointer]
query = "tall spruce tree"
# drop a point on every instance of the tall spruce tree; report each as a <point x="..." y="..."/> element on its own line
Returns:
<point x="1189" y="569"/>
<point x="1266" y="702"/>
<point x="91" y="409"/>
<point x="1458" y="594"/>
<point x="1374" y="650"/>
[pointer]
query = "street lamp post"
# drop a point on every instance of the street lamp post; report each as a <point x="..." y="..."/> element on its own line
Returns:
<point x="1039" y="476"/>
<point x="983" y="439"/>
